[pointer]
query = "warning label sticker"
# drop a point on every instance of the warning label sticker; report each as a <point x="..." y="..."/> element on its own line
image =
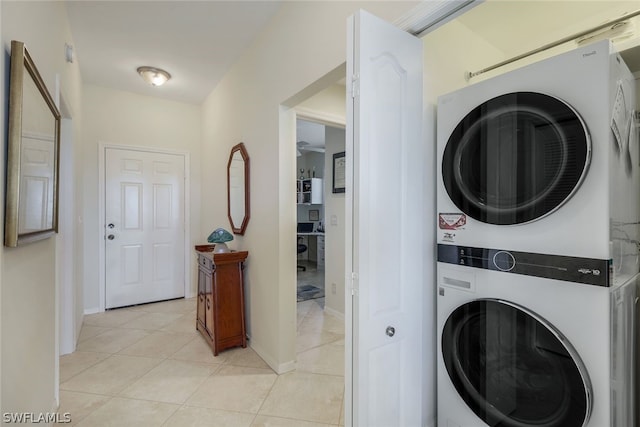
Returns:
<point x="451" y="221"/>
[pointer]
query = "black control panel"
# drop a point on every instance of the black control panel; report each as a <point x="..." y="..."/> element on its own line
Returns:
<point x="570" y="269"/>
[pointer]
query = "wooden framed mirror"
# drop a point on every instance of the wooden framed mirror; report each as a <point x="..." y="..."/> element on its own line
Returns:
<point x="238" y="189"/>
<point x="31" y="208"/>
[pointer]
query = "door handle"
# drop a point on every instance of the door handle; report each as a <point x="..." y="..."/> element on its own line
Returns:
<point x="391" y="331"/>
<point x="111" y="237"/>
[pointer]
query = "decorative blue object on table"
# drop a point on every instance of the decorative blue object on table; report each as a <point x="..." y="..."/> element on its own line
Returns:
<point x="220" y="236"/>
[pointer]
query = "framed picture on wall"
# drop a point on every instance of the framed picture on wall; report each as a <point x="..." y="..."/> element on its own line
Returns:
<point x="339" y="176"/>
<point x="314" y="215"/>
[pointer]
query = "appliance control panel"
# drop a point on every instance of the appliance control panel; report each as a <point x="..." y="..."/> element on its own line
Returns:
<point x="570" y="269"/>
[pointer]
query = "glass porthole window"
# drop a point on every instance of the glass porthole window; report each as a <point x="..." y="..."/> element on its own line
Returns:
<point x="516" y="158"/>
<point x="514" y="369"/>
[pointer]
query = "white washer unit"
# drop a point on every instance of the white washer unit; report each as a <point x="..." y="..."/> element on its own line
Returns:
<point x="523" y="351"/>
<point x="544" y="159"/>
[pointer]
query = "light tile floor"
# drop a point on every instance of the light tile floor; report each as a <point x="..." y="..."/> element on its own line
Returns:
<point x="148" y="366"/>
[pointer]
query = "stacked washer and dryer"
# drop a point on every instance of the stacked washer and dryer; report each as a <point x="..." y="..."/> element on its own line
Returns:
<point x="538" y="211"/>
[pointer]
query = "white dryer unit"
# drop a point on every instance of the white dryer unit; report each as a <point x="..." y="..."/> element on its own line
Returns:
<point x="544" y="159"/>
<point x="523" y="351"/>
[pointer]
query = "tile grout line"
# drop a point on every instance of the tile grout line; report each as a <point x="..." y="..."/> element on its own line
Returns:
<point x="119" y="394"/>
<point x="313" y="312"/>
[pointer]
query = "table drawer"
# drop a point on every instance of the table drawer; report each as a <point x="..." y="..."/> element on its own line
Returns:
<point x="205" y="262"/>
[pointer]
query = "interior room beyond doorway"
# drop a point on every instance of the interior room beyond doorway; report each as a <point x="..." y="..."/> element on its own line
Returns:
<point x="312" y="184"/>
<point x="320" y="210"/>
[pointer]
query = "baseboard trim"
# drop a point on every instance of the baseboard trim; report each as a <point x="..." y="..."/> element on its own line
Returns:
<point x="278" y="368"/>
<point x="333" y="312"/>
<point x="92" y="310"/>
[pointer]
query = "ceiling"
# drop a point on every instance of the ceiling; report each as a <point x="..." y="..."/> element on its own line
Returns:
<point x="195" y="41"/>
<point x="530" y="25"/>
<point x="310" y="136"/>
<point x="198" y="41"/>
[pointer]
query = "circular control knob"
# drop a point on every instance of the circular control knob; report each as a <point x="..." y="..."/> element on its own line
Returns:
<point x="504" y="261"/>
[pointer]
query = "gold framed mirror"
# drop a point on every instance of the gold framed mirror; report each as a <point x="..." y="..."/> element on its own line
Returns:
<point x="238" y="189"/>
<point x="31" y="207"/>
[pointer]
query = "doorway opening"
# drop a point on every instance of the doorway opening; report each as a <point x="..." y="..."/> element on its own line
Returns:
<point x="317" y="119"/>
<point x="320" y="212"/>
<point x="310" y="185"/>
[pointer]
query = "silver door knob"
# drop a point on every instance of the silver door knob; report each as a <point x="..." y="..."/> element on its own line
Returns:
<point x="391" y="331"/>
<point x="111" y="237"/>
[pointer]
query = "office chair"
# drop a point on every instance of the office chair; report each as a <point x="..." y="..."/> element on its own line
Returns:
<point x="301" y="249"/>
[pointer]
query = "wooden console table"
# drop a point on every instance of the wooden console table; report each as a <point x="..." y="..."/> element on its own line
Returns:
<point x="220" y="313"/>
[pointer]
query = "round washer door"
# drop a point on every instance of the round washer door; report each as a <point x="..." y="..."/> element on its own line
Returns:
<point x="516" y="158"/>
<point x="514" y="369"/>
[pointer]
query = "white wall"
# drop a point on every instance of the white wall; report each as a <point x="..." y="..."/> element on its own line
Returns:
<point x="123" y="118"/>
<point x="303" y="42"/>
<point x="329" y="104"/>
<point x="28" y="276"/>
<point x="449" y="52"/>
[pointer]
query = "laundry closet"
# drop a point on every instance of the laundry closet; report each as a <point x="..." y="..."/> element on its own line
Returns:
<point x="538" y="212"/>
<point x="522" y="302"/>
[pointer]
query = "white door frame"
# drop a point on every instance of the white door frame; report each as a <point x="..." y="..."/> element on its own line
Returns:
<point x="65" y="243"/>
<point x="311" y="115"/>
<point x="66" y="303"/>
<point x="102" y="147"/>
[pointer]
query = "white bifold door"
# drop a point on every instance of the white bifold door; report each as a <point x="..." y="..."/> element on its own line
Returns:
<point x="387" y="262"/>
<point x="144" y="226"/>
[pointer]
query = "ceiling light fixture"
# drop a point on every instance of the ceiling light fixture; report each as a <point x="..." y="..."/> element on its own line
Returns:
<point x="154" y="76"/>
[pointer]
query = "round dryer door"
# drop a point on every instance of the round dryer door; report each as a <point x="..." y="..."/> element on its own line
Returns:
<point x="513" y="369"/>
<point x="516" y="158"/>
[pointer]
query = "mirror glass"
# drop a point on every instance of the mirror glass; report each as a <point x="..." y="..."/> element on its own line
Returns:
<point x="32" y="154"/>
<point x="238" y="189"/>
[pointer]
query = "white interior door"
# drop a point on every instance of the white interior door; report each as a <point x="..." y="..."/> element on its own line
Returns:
<point x="386" y="240"/>
<point x="37" y="183"/>
<point x="144" y="227"/>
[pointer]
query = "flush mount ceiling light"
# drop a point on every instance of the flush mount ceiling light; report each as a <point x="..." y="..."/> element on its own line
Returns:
<point x="154" y="76"/>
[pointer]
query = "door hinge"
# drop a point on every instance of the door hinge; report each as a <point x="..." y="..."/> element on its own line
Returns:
<point x="355" y="85"/>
